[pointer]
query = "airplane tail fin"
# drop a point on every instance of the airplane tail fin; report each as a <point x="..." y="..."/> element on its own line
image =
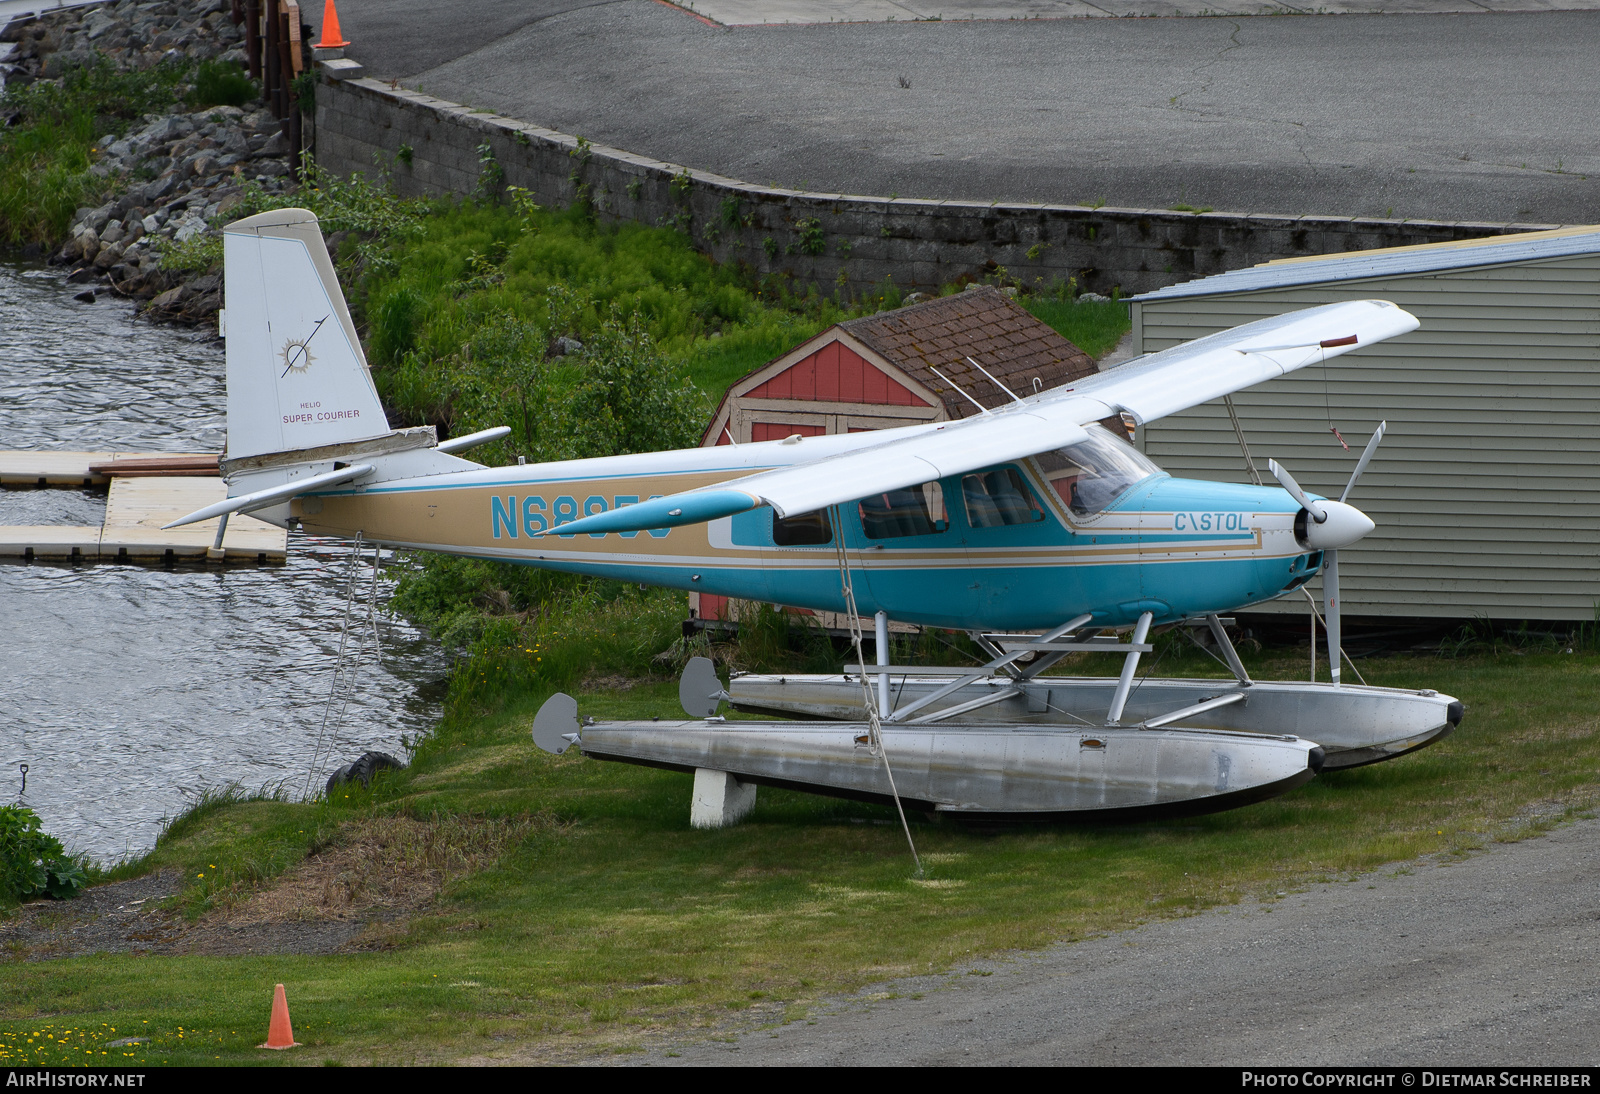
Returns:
<point x="303" y="412"/>
<point x="297" y="378"/>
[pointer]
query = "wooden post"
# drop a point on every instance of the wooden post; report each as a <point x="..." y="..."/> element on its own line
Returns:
<point x="291" y="16"/>
<point x="252" y="37"/>
<point x="269" y="58"/>
<point x="285" y="74"/>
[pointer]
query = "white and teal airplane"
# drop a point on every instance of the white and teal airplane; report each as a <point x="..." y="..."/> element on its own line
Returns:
<point x="1030" y="517"/>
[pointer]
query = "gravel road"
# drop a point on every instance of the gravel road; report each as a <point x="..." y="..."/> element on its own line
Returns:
<point x="1491" y="960"/>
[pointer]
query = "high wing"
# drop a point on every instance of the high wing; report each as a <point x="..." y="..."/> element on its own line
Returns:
<point x="1149" y="388"/>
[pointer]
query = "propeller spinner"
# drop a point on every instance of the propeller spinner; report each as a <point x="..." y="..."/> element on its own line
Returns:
<point x="1323" y="525"/>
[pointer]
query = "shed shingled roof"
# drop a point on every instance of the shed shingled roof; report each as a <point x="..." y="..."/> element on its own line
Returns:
<point x="982" y="323"/>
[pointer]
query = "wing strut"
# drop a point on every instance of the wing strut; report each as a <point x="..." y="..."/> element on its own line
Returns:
<point x="874" y="726"/>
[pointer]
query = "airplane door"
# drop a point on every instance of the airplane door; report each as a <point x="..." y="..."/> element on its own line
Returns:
<point x="911" y="555"/>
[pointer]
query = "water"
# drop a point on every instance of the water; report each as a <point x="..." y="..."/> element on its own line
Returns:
<point x="129" y="689"/>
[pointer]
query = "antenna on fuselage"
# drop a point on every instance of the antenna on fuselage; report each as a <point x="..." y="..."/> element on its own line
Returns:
<point x="993" y="380"/>
<point x="981" y="408"/>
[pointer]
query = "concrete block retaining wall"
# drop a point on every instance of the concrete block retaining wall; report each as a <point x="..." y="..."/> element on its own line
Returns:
<point x="430" y="146"/>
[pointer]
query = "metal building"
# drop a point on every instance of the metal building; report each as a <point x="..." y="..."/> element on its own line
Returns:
<point x="1486" y="489"/>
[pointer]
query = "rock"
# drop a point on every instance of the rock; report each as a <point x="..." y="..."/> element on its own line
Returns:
<point x="271" y="169"/>
<point x="59" y="64"/>
<point x="151" y="224"/>
<point x="188" y="228"/>
<point x="86" y="296"/>
<point x="364" y="769"/>
<point x="275" y="145"/>
<point x="166" y="128"/>
<point x="160" y="188"/>
<point x="82" y="274"/>
<point x="1093" y="298"/>
<point x="98" y="218"/>
<point x="113" y="232"/>
<point x="171" y="298"/>
<point x="108" y="256"/>
<point x="206" y="284"/>
<point x="566" y="347"/>
<point x="98" y="22"/>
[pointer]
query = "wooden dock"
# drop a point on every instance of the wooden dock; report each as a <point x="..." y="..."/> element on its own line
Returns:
<point x="99" y="468"/>
<point x="147" y="490"/>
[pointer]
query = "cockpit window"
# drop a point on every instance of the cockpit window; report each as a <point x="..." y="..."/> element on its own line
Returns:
<point x="1091" y="475"/>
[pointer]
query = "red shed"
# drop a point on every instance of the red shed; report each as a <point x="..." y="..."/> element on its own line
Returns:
<point x="878" y="371"/>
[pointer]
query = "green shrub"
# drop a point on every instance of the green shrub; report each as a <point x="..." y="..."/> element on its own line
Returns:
<point x="45" y="153"/>
<point x="1094" y="326"/>
<point x="31" y="863"/>
<point x="223" y="83"/>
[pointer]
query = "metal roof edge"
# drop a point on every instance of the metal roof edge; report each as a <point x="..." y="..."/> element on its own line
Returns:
<point x="1566" y="242"/>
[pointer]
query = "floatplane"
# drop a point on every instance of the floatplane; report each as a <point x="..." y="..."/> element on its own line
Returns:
<point x="1033" y="527"/>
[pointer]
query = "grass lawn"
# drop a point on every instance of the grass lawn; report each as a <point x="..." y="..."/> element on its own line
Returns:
<point x="580" y="914"/>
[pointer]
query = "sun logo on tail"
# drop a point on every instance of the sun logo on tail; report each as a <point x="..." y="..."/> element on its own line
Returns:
<point x="297" y="353"/>
<point x="296" y="357"/>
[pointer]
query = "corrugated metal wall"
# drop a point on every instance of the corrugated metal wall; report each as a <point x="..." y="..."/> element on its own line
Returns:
<point x="1486" y="489"/>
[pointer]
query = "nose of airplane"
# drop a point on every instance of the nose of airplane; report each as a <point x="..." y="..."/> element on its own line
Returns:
<point x="1345" y="524"/>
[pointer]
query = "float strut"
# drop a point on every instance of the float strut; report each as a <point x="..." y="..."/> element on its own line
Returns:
<point x="216" y="551"/>
<point x="1220" y="633"/>
<point x="880" y="633"/>
<point x="1125" y="683"/>
<point x="999" y="662"/>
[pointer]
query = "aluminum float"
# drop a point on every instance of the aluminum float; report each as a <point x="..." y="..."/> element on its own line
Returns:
<point x="1354" y="724"/>
<point x="991" y="770"/>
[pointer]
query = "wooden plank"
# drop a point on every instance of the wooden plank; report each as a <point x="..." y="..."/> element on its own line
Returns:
<point x="137" y="508"/>
<point x="49" y="541"/>
<point x="50" y="468"/>
<point x="160" y="463"/>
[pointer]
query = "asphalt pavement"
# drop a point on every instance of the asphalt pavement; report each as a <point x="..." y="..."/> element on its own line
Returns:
<point x="1486" y="116"/>
<point x="1492" y="961"/>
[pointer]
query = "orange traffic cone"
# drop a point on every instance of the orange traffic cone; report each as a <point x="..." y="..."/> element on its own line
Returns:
<point x="280" y="1034"/>
<point x="332" y="37"/>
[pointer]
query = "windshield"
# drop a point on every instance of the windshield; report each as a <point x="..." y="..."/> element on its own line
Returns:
<point x="1091" y="475"/>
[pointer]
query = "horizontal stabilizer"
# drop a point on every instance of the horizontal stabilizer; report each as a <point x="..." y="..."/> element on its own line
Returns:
<point x="260" y="499"/>
<point x="473" y="440"/>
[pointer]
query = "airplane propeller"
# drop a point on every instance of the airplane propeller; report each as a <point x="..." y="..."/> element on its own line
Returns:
<point x="1326" y="526"/>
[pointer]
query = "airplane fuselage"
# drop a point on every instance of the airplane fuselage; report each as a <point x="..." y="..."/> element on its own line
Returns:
<point x="1172" y="547"/>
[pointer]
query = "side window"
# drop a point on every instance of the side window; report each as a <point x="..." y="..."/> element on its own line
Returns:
<point x="802" y="529"/>
<point x="914" y="511"/>
<point x="997" y="498"/>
